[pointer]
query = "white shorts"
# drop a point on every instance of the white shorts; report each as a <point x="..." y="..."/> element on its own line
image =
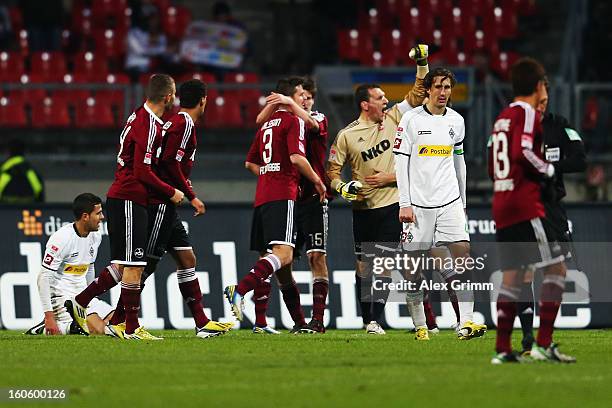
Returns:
<point x="434" y="226"/>
<point x="99" y="307"/>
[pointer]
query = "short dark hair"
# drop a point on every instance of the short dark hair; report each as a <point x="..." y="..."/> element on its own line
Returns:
<point x="84" y="204"/>
<point x="525" y="75"/>
<point x="191" y="92"/>
<point x="158" y="87"/>
<point x="439" y="72"/>
<point x="310" y="85"/>
<point x="286" y="86"/>
<point x="362" y="93"/>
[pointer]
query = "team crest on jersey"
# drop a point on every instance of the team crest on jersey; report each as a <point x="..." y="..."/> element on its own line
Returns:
<point x="91" y="251"/>
<point x="451" y="132"/>
<point x="138" y="252"/>
<point x="167" y="125"/>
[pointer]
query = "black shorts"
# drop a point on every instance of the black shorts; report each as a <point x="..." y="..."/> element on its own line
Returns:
<point x="528" y="243"/>
<point x="556" y="218"/>
<point x="166" y="231"/>
<point x="311" y="221"/>
<point x="273" y="224"/>
<point x="127" y="231"/>
<point x="378" y="225"/>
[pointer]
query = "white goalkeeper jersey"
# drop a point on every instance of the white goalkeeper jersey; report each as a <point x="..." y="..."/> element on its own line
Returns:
<point x="69" y="257"/>
<point x="430" y="141"/>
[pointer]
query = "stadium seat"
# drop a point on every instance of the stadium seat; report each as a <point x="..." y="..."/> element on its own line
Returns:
<point x="12" y="112"/>
<point x="82" y="20"/>
<point x="174" y="21"/>
<point x="94" y="113"/>
<point x="480" y="40"/>
<point x="418" y="24"/>
<point x="500" y="63"/>
<point x="394" y="9"/>
<point x="90" y="66"/>
<point x="394" y="46"/>
<point x="500" y="24"/>
<point x="11" y="66"/>
<point x="252" y="110"/>
<point x="458" y="23"/>
<point x="351" y="42"/>
<point x="102" y="9"/>
<point x="16" y="18"/>
<point x="110" y="43"/>
<point x="50" y="113"/>
<point x="372" y="20"/>
<point x="431" y="8"/>
<point x="252" y="94"/>
<point x="220" y="114"/>
<point x="23" y="42"/>
<point x="50" y="66"/>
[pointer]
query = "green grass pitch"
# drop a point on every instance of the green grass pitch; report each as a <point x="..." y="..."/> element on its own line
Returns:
<point x="339" y="368"/>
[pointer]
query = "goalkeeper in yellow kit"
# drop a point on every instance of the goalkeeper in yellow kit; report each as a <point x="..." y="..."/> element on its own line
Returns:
<point x="366" y="145"/>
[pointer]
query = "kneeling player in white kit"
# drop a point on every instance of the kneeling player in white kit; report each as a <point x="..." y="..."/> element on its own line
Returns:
<point x="431" y="177"/>
<point x="68" y="267"/>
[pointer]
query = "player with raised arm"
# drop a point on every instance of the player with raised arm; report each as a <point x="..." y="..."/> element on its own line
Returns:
<point x="431" y="177"/>
<point x="366" y="145"/>
<point x="278" y="152"/>
<point x="127" y="198"/>
<point x="517" y="167"/>
<point x="311" y="214"/>
<point x="67" y="267"/>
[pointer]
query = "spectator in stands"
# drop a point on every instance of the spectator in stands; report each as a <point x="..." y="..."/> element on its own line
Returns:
<point x="142" y="10"/>
<point x="19" y="182"/>
<point x="146" y="47"/>
<point x="43" y="21"/>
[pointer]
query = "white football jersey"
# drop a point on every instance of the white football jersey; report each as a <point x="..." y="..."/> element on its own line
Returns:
<point x="430" y="141"/>
<point x="70" y="257"/>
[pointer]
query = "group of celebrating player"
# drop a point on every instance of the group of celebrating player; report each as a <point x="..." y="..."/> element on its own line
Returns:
<point x="408" y="186"/>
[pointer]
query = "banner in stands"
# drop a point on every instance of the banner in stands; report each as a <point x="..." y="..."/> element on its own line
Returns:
<point x="221" y="241"/>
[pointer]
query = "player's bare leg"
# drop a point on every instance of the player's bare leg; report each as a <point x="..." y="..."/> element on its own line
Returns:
<point x="320" y="288"/>
<point x="551" y="295"/>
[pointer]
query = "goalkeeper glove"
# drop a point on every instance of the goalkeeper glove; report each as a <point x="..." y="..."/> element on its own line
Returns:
<point x="419" y="54"/>
<point x="349" y="190"/>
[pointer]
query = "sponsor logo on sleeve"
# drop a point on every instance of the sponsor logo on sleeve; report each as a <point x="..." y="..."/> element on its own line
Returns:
<point x="179" y="155"/>
<point x="167" y="125"/>
<point x="398" y="143"/>
<point x="48" y="260"/>
<point x="147" y="158"/>
<point x="332" y="154"/>
<point x="527" y="142"/>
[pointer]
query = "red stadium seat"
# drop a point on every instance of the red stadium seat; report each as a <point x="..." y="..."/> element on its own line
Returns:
<point x="480" y="40"/>
<point x="82" y="20"/>
<point x="251" y="93"/>
<point x="91" y="66"/>
<point x="24" y="43"/>
<point x="501" y="63"/>
<point x="93" y="113"/>
<point x="373" y="20"/>
<point x="221" y="114"/>
<point x="175" y="20"/>
<point x="476" y="7"/>
<point x="431" y="8"/>
<point x="110" y="43"/>
<point x="50" y="66"/>
<point x="458" y="23"/>
<point x="501" y="24"/>
<point x="418" y="24"/>
<point x="394" y="46"/>
<point x="12" y="112"/>
<point x="16" y="18"/>
<point x="11" y="66"/>
<point x="50" y="113"/>
<point x="102" y="9"/>
<point x="251" y="111"/>
<point x="394" y="9"/>
<point x="354" y="45"/>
